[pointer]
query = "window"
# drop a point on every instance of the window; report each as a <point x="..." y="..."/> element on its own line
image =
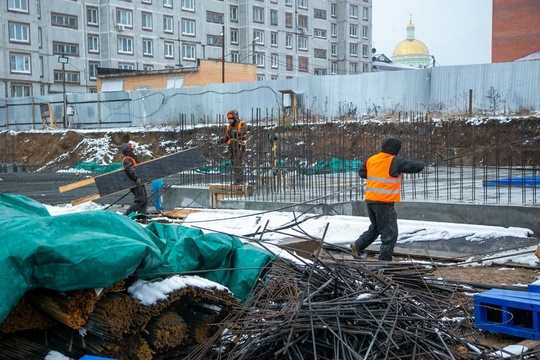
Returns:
<point x="288" y="41"/>
<point x="288" y="2"/>
<point x="275" y="61"/>
<point x="365" y="32"/>
<point x="124" y="17"/>
<point x="333" y="68"/>
<point x="20" y="63"/>
<point x="353" y="49"/>
<point x="65" y="49"/>
<point x="233" y="13"/>
<point x="353" y="11"/>
<point x="235" y="57"/>
<point x="72" y="77"/>
<point x="303" y="63"/>
<point x="148" y="47"/>
<point x="214" y="40"/>
<point x="274" y="39"/>
<point x="93" y="43"/>
<point x="302" y="21"/>
<point x="126" y="66"/>
<point x="234" y="36"/>
<point x="19" y="32"/>
<point x="258" y="14"/>
<point x="18" y="5"/>
<point x="147" y="23"/>
<point x="274" y="77"/>
<point x="365" y="51"/>
<point x="333" y="49"/>
<point x="125" y="45"/>
<point x="353" y="68"/>
<point x="146" y="1"/>
<point x="167" y="3"/>
<point x="320" y="53"/>
<point x="333" y="30"/>
<point x="19" y="90"/>
<point x="92" y="16"/>
<point x="213" y="17"/>
<point x="353" y="30"/>
<point x="188" y="5"/>
<point x="319" y="14"/>
<point x="258" y="34"/>
<point x="288" y="20"/>
<point x="333" y="10"/>
<point x="188" y="52"/>
<point x="319" y="33"/>
<point x="168" y="49"/>
<point x="320" y="72"/>
<point x="365" y="13"/>
<point x="365" y="68"/>
<point x="273" y="17"/>
<point x="302" y="43"/>
<point x="148" y="67"/>
<point x="188" y="27"/>
<point x="259" y="59"/>
<point x="289" y="62"/>
<point x="260" y="77"/>
<point x="68" y="21"/>
<point x="168" y="24"/>
<point x="93" y="69"/>
<point x="302" y="3"/>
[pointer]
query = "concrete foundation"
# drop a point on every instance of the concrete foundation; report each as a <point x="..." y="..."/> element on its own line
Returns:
<point x="491" y="215"/>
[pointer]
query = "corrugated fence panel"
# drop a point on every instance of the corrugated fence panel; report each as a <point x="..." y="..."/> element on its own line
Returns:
<point x="496" y="89"/>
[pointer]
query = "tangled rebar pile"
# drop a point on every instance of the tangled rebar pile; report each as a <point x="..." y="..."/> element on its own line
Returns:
<point x="350" y="309"/>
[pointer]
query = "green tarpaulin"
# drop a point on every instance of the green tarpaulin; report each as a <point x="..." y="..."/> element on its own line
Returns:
<point x="96" y="249"/>
<point x="92" y="166"/>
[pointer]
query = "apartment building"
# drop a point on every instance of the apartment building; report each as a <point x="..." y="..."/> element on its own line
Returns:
<point x="56" y="46"/>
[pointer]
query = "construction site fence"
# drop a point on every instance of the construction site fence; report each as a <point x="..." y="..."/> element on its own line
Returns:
<point x="480" y="89"/>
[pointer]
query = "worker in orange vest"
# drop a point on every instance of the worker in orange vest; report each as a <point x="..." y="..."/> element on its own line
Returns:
<point x="235" y="137"/>
<point x="140" y="202"/>
<point x="383" y="172"/>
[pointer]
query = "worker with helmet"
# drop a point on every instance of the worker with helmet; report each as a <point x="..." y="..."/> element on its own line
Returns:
<point x="140" y="202"/>
<point x="235" y="137"/>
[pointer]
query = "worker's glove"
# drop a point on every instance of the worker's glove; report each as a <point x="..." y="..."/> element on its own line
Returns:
<point x="139" y="182"/>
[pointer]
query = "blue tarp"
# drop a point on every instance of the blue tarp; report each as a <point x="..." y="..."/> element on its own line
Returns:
<point x="96" y="249"/>
<point x="524" y="181"/>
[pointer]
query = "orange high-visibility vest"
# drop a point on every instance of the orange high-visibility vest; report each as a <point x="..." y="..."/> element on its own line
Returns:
<point x="239" y="126"/>
<point x="380" y="185"/>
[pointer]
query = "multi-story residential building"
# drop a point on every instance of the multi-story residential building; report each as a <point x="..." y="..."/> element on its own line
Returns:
<point x="53" y="46"/>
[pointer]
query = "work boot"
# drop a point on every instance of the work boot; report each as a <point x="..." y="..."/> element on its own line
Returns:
<point x="358" y="254"/>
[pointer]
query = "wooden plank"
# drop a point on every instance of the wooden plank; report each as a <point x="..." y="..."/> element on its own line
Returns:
<point x="114" y="182"/>
<point x="77" y="184"/>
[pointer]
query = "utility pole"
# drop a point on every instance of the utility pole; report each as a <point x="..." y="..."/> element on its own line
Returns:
<point x="64" y="60"/>
<point x="223" y="54"/>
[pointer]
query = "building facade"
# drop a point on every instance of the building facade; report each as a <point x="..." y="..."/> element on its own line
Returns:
<point x="57" y="46"/>
<point x="515" y="29"/>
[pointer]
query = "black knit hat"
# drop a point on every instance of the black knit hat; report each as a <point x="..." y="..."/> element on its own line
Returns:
<point x="391" y="145"/>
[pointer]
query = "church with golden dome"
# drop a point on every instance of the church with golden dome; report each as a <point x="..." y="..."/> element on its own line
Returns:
<point x="411" y="51"/>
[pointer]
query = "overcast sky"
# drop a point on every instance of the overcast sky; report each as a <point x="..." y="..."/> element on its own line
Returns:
<point x="456" y="32"/>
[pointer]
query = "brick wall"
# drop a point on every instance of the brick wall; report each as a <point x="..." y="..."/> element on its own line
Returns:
<point x="515" y="29"/>
<point x="207" y="72"/>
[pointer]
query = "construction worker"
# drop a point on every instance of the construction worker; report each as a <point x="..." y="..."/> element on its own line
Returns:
<point x="235" y="137"/>
<point x="140" y="202"/>
<point x="383" y="172"/>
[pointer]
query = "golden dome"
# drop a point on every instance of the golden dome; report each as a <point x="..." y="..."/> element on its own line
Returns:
<point x="410" y="47"/>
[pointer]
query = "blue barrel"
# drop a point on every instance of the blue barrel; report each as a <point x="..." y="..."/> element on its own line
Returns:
<point x="156" y="190"/>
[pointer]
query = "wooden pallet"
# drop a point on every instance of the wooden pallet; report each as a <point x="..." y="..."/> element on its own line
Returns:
<point x="116" y="181"/>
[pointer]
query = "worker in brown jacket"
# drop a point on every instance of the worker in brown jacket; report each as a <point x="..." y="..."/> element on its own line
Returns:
<point x="140" y="202"/>
<point x="383" y="172"/>
<point x="235" y="138"/>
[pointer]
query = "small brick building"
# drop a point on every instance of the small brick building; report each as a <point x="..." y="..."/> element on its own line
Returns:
<point x="206" y="72"/>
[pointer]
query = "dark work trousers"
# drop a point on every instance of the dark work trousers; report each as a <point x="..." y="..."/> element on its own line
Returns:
<point x="237" y="152"/>
<point x="383" y="218"/>
<point x="140" y="203"/>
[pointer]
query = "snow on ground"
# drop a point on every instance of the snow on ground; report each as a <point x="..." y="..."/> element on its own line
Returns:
<point x="339" y="230"/>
